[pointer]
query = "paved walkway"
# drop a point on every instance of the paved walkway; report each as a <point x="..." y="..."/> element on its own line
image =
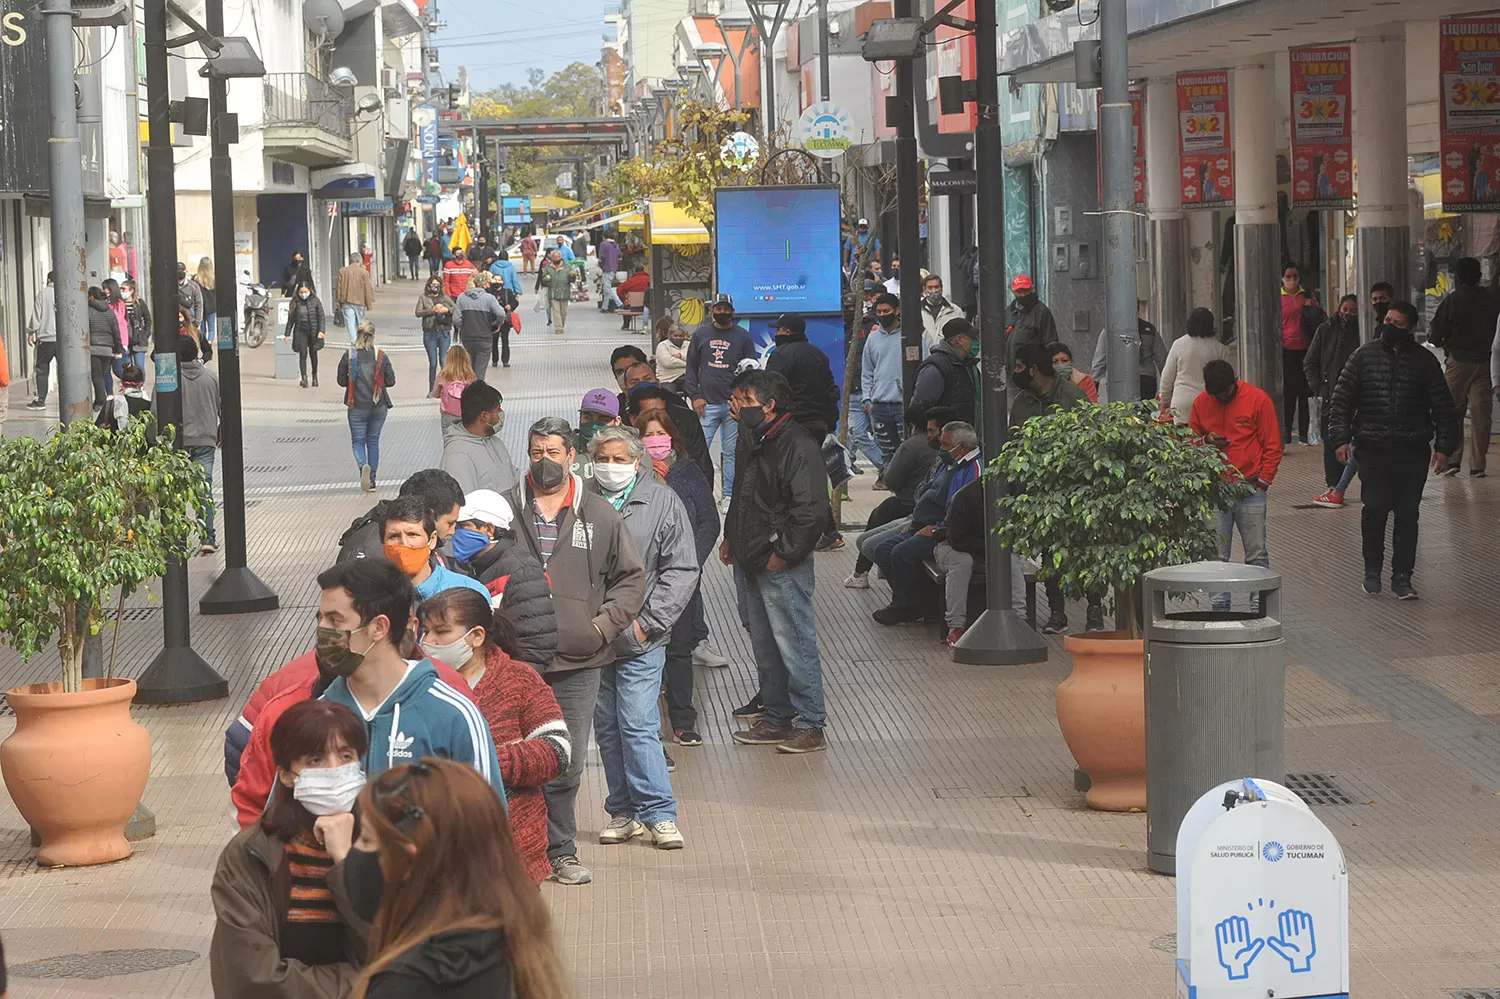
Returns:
<point x="937" y="847"/>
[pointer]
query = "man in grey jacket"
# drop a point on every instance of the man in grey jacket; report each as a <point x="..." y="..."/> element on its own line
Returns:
<point x="473" y="452"/>
<point x="42" y="332"/>
<point x="200" y="429"/>
<point x="477" y="317"/>
<point x="881" y="379"/>
<point x="627" y="722"/>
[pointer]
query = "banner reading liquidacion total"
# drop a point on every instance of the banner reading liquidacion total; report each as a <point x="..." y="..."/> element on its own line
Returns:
<point x="1203" y="139"/>
<point x="1322" y="141"/>
<point x="1469" y="61"/>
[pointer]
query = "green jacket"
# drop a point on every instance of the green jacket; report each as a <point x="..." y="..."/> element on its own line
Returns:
<point x="1030" y="403"/>
<point x="559" y="279"/>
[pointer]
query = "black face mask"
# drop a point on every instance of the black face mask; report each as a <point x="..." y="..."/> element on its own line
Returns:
<point x="752" y="416"/>
<point x="1381" y="308"/>
<point x="1394" y="336"/>
<point x="365" y="882"/>
<point x="548" y="475"/>
<point x="723" y="320"/>
<point x="1022" y="379"/>
<point x="935" y="443"/>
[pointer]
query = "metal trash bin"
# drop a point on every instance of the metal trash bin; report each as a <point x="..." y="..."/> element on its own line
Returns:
<point x="288" y="364"/>
<point x="1215" y="690"/>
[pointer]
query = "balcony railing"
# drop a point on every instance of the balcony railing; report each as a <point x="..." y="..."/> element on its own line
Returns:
<point x="304" y="99"/>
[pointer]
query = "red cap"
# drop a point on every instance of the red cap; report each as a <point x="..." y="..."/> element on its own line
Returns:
<point x="1022" y="282"/>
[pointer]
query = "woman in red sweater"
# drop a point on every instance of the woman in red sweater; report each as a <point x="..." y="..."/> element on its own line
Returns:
<point x="461" y="629"/>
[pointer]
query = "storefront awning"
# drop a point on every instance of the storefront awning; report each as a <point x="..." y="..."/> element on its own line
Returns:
<point x="668" y="225"/>
<point x="552" y="202"/>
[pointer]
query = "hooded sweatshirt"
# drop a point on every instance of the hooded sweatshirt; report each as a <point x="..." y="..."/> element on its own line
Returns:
<point x="423" y="716"/>
<point x="476" y="315"/>
<point x="881" y="377"/>
<point x="478" y="462"/>
<point x="462" y="964"/>
<point x="200" y="405"/>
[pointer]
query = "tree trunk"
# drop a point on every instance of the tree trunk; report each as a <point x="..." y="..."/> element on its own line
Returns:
<point x="72" y="633"/>
<point x="1128" y="611"/>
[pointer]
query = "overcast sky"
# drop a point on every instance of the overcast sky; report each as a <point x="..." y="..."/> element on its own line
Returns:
<point x="498" y="41"/>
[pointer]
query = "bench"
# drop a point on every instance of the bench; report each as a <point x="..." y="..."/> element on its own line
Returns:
<point x="977" y="585"/>
<point x="632" y="311"/>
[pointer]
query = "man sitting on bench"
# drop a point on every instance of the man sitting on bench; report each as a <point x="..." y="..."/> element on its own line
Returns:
<point x="959" y="549"/>
<point x="639" y="281"/>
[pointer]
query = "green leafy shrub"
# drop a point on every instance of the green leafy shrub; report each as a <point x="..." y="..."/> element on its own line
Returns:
<point x="83" y="512"/>
<point x="1102" y="495"/>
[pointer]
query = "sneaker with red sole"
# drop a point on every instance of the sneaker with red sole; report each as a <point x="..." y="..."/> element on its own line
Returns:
<point x="1332" y="500"/>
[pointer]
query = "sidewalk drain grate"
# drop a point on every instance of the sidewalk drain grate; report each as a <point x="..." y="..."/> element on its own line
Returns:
<point x="971" y="794"/>
<point x="139" y="613"/>
<point x="1319" y="789"/>
<point x="267" y="469"/>
<point x="1166" y="942"/>
<point x="320" y="420"/>
<point x="104" y="963"/>
<point x="295" y="440"/>
<point x="1475" y="993"/>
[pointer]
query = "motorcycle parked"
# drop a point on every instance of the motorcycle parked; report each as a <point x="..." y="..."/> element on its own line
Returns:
<point x="257" y="321"/>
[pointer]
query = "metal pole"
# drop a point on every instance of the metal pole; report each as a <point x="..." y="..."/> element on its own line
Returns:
<point x="1115" y="129"/>
<point x="178" y="674"/>
<point x="237" y="590"/>
<point x="908" y="225"/>
<point x="1000" y="637"/>
<point x="825" y="170"/>
<point x="69" y="256"/>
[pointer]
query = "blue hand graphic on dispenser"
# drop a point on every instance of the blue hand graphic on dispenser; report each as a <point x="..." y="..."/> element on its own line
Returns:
<point x="1237" y="951"/>
<point x="1296" y="943"/>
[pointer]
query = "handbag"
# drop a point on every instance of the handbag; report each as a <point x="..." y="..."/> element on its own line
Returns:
<point x="515" y="321"/>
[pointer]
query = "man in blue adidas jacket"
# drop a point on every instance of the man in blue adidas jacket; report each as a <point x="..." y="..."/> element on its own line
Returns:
<point x="409" y="713"/>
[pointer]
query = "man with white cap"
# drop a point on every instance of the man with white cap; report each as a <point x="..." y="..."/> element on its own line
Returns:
<point x="862" y="244"/>
<point x="486" y="545"/>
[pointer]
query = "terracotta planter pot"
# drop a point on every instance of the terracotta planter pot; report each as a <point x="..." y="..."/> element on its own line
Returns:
<point x="76" y="767"/>
<point x="1101" y="709"/>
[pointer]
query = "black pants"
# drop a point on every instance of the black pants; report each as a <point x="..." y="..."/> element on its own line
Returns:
<point x="889" y="509"/>
<point x="500" y="347"/>
<point x="1333" y="469"/>
<point x="1391" y="481"/>
<point x="1056" y="603"/>
<point x="411" y="263"/>
<point x="1294" y="384"/>
<point x="690" y="629"/>
<point x="46" y="352"/>
<point x="304" y="357"/>
<point x="99" y="371"/>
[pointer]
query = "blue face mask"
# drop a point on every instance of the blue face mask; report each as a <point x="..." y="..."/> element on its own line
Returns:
<point x="467" y="543"/>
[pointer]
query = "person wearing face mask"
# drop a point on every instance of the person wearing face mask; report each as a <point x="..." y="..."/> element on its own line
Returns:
<point x="861" y="248"/>
<point x="365" y="373"/>
<point x="435" y="309"/>
<point x="1464" y="329"/>
<point x="622" y="357"/>
<point x="881" y="378"/>
<point x="458" y="274"/>
<point x="815" y="394"/>
<point x="1332" y="345"/>
<point x="1393" y="405"/>
<point x="598" y="586"/>
<point x="671" y="351"/>
<point x="486" y="546"/>
<point x="909" y="474"/>
<point x="559" y="276"/>
<point x="1382" y="294"/>
<point x="411" y="247"/>
<point x="285" y="922"/>
<point x="1062" y="363"/>
<point x="291" y="274"/>
<point x="531" y="738"/>
<point x="627" y="723"/>
<point x="306" y="327"/>
<point x="473" y="452"/>
<point x="937" y="312"/>
<point x="600" y="408"/>
<point x="713" y="355"/>
<point x="189" y="295"/>
<point x="1027" y="320"/>
<point x="138" y="319"/>
<point x="478" y="316"/>
<point x="408" y="537"/>
<point x="645" y="394"/>
<point x="949" y="376"/>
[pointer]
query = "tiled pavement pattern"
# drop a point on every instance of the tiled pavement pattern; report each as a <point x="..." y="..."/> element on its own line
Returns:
<point x="938" y="846"/>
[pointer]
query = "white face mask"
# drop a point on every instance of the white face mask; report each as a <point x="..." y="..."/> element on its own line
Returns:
<point x="303" y="294"/>
<point x="329" y="790"/>
<point x="455" y="654"/>
<point x="612" y="478"/>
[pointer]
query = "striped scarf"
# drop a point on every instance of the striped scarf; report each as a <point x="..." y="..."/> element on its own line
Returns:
<point x="310" y="901"/>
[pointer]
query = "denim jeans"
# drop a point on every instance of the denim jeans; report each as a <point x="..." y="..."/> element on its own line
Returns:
<point x="353" y="316"/>
<point x="784" y="636"/>
<point x="436" y="342"/>
<point x="909" y="584"/>
<point x="627" y="727"/>
<point x="204" y="455"/>
<point x="1249" y="517"/>
<point x="860" y="441"/>
<point x="577" y="692"/>
<point x="889" y="509"/>
<point x="885" y="422"/>
<point x="210" y="329"/>
<point x="716" y="418"/>
<point x="365" y="424"/>
<point x="871" y="540"/>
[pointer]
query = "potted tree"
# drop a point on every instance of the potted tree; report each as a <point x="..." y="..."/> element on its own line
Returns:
<point x="83" y="513"/>
<point x="1102" y="495"/>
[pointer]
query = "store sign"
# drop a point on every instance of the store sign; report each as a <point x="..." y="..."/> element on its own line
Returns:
<point x="825" y="130"/>
<point x="943" y="183"/>
<point x="23" y="102"/>
<point x="1137" y="145"/>
<point x="1322" y="137"/>
<point x="1203" y="140"/>
<point x="368" y="206"/>
<point x="740" y="151"/>
<point x="1469" y="61"/>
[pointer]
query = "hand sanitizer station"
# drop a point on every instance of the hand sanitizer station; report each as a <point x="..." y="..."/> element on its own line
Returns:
<point x="1262" y="898"/>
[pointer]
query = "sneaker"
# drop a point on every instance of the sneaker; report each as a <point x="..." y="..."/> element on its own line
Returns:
<point x="856" y="470"/>
<point x="671" y="763"/>
<point x="724" y="505"/>
<point x="751" y="712"/>
<point x="706" y="655"/>
<point x="857" y="581"/>
<point x="666" y="835"/>
<point x="830" y="544"/>
<point x="954" y="634"/>
<point x="621" y="829"/>
<point x="208" y="548"/>
<point x="804" y="740"/>
<point x="1401" y="586"/>
<point x="1451" y="470"/>
<point x="367" y="478"/>
<point x="763" y="733"/>
<point x="1094" y="620"/>
<point x="688" y="737"/>
<point x="880" y="486"/>
<point x="897" y="615"/>
<point x="1331" y="499"/>
<point x="1477" y="474"/>
<point x="36" y="404"/>
<point x="1372" y="583"/>
<point x="566" y="870"/>
<point x="1056" y="624"/>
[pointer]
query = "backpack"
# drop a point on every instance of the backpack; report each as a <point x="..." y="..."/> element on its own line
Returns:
<point x="452" y="394"/>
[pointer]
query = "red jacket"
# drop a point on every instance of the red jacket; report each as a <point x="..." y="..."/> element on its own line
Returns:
<point x="293" y="685"/>
<point x="456" y="277"/>
<point x="636" y="282"/>
<point x="1249" y="423"/>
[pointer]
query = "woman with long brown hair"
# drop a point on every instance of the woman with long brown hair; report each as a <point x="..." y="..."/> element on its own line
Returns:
<point x="459" y="917"/>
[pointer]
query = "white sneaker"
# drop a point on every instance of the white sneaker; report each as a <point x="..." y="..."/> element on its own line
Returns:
<point x="706" y="655"/>
<point x="666" y="835"/>
<point x="621" y="829"/>
<point x="724" y="505"/>
<point x="858" y="581"/>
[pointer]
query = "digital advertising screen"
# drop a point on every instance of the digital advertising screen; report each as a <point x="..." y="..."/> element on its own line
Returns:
<point x="777" y="249"/>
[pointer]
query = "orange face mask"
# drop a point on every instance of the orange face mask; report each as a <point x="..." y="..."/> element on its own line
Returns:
<point x="409" y="560"/>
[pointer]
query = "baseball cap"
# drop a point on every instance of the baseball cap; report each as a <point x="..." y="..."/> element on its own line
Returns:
<point x="746" y="364"/>
<point x="600" y="401"/>
<point x="788" y="321"/>
<point x="1023" y="282"/>
<point x="722" y="300"/>
<point x="488" y="507"/>
<point x="871" y="286"/>
<point x="863" y="222"/>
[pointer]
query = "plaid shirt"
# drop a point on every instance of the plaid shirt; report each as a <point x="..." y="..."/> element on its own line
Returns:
<point x="546" y="530"/>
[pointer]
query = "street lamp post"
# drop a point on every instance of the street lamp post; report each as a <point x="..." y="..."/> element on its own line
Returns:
<point x="768" y="16"/>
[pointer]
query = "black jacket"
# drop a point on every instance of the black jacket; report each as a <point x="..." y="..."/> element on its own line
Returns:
<point x="1329" y="351"/>
<point x="1393" y="399"/>
<point x="104" y="330"/>
<point x="411" y="245"/>
<point x="464" y="964"/>
<point x="1464" y="324"/>
<point x="780" y="496"/>
<point x="945" y="379"/>
<point x="963" y="526"/>
<point x="304" y="321"/>
<point x="816" y="397"/>
<point x="139" y="318"/>
<point x="527" y="598"/>
<point x="692" y="487"/>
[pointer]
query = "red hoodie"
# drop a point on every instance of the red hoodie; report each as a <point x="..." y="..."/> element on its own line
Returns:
<point x="1249" y="423"/>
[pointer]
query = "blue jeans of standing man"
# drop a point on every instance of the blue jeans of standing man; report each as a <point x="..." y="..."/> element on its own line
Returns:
<point x="784" y="636"/>
<point x="1249" y="517"/>
<point x="627" y="727"/>
<point x="436" y="343"/>
<point x="365" y="424"/>
<point x="716" y="418"/>
<point x="885" y="421"/>
<point x="860" y="441"/>
<point x="204" y="454"/>
<point x="353" y="316"/>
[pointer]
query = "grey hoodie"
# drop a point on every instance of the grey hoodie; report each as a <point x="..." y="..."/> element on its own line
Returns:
<point x="200" y="405"/>
<point x="658" y="523"/>
<point x="478" y="462"/>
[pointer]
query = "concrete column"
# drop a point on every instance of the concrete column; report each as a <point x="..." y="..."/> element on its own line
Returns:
<point x="1203" y="261"/>
<point x="1257" y="260"/>
<point x="1382" y="229"/>
<point x="1170" y="302"/>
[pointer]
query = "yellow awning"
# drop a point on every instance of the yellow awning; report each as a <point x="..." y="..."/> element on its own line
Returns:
<point x="552" y="201"/>
<point x="632" y="221"/>
<point x="1431" y="186"/>
<point x="668" y="225"/>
